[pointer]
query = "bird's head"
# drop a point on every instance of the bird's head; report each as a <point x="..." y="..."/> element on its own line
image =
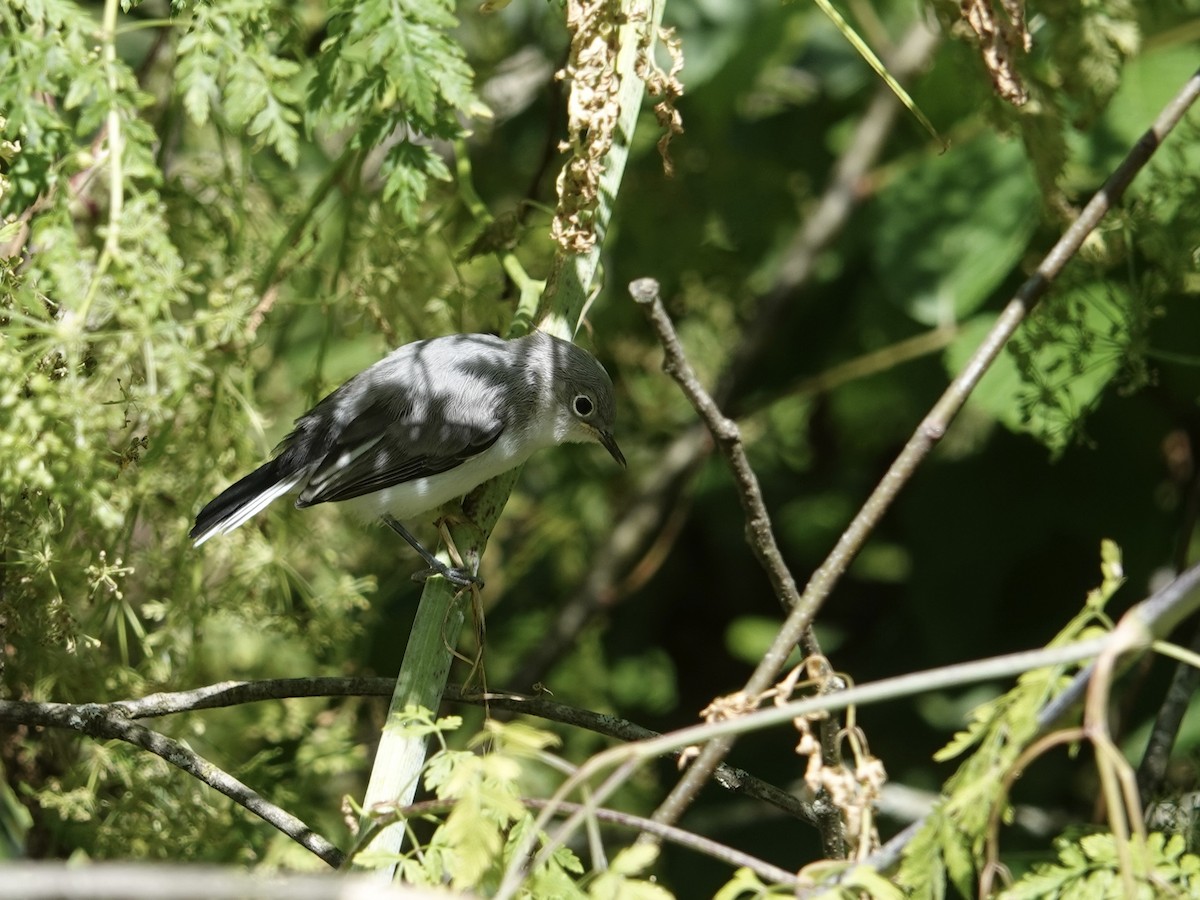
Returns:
<point x="583" y="398"/>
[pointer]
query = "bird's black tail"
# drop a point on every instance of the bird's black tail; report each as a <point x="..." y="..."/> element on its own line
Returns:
<point x="243" y="499"/>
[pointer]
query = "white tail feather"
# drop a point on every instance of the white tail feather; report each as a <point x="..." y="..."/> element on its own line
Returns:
<point x="252" y="507"/>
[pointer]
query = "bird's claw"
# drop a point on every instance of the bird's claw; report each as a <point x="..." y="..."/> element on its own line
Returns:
<point x="454" y="574"/>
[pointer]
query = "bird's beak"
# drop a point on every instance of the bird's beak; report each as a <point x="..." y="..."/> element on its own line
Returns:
<point x="610" y="444"/>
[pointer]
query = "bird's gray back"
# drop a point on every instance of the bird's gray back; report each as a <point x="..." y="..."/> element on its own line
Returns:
<point x="422" y="410"/>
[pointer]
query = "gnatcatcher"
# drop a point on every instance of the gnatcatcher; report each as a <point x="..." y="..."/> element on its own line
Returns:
<point x="425" y="425"/>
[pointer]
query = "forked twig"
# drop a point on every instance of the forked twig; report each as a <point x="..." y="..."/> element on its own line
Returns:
<point x="112" y="722"/>
<point x="931" y="430"/>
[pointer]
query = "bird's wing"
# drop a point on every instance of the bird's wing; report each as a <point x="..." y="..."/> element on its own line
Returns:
<point x="389" y="444"/>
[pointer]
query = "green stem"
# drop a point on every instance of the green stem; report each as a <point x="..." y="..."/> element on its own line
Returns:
<point x="301" y="220"/>
<point x="426" y="666"/>
<point x="116" y="193"/>
<point x="530" y="288"/>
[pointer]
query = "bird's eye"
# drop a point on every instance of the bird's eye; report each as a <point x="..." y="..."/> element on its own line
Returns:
<point x="583" y="405"/>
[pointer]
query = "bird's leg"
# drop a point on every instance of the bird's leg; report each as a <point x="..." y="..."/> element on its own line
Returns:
<point x="455" y="514"/>
<point x="452" y="514"/>
<point x="455" y="575"/>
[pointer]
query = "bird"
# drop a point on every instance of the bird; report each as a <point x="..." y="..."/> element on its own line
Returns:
<point x="424" y="426"/>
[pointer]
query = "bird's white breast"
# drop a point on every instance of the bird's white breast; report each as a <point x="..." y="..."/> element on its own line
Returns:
<point x="411" y="499"/>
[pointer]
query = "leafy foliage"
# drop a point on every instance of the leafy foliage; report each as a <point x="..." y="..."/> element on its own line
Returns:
<point x="1058" y="366"/>
<point x="115" y="412"/>
<point x="950" y="845"/>
<point x="229" y="58"/>
<point x="1088" y="867"/>
<point x="48" y="51"/>
<point x="391" y="73"/>
<point x="476" y="840"/>
<point x="968" y="244"/>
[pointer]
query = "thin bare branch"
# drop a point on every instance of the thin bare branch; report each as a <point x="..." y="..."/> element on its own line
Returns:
<point x="236" y="693"/>
<point x="670" y="833"/>
<point x="729" y="439"/>
<point x="1158" y="614"/>
<point x="662" y="490"/>
<point x="624" y="760"/>
<point x="1152" y="771"/>
<point x="931" y="430"/>
<point x="682" y="838"/>
<point x="759" y="535"/>
<point x="108" y="723"/>
<point x="159" y="881"/>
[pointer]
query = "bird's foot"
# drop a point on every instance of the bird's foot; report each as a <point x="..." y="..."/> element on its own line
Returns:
<point x="457" y="575"/>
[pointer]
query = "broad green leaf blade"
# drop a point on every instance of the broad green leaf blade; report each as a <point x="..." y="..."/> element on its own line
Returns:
<point x="1054" y="370"/>
<point x="950" y="231"/>
<point x="880" y="69"/>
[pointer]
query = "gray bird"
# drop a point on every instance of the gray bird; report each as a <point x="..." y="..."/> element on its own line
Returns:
<point x="425" y="425"/>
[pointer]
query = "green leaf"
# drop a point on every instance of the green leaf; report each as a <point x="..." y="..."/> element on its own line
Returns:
<point x="10" y="230"/>
<point x="744" y="882"/>
<point x="275" y="125"/>
<point x="922" y="866"/>
<point x="407" y="169"/>
<point x="869" y="881"/>
<point x="517" y="739"/>
<point x="960" y="864"/>
<point x="554" y="881"/>
<point x="635" y="859"/>
<point x="415" y="721"/>
<point x="228" y="62"/>
<point x="474" y="839"/>
<point x="1090" y="867"/>
<point x="390" y="69"/>
<point x="949" y="232"/>
<point x="1057" y="365"/>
